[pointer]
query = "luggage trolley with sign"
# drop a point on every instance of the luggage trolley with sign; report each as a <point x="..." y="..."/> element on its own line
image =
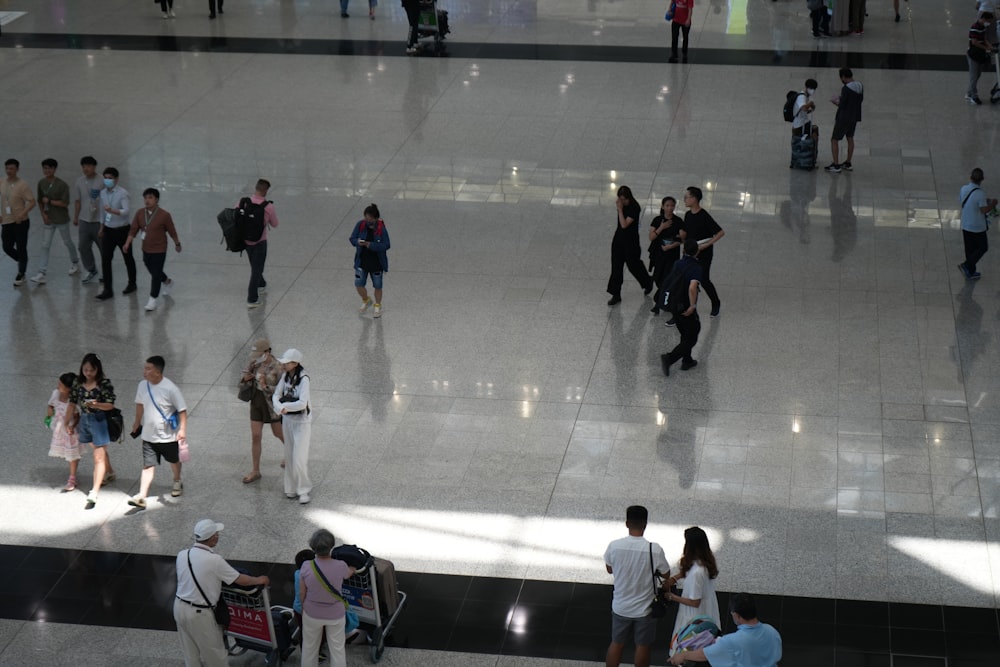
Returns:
<point x="368" y="591"/>
<point x="433" y="24"/>
<point x="252" y="624"/>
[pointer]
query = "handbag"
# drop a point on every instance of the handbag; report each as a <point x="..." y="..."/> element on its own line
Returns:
<point x="658" y="607"/>
<point x="183" y="453"/>
<point x="245" y="392"/>
<point x="220" y="609"/>
<point x="669" y="16"/>
<point x="116" y="424"/>
<point x="351" y="621"/>
<point x="173" y="421"/>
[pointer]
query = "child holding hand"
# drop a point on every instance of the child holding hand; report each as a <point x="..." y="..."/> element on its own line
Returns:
<point x="63" y="445"/>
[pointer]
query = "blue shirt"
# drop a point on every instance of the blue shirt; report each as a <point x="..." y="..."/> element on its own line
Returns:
<point x="973" y="218"/>
<point x="297" y="602"/>
<point x="750" y="646"/>
<point x="117" y="198"/>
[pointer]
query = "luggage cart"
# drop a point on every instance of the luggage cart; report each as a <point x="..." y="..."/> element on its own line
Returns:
<point x="362" y="591"/>
<point x="432" y="26"/>
<point x="252" y="625"/>
<point x="995" y="92"/>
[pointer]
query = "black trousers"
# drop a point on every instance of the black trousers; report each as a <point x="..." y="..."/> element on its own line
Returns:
<point x="976" y="245"/>
<point x="689" y="328"/>
<point x="821" y="21"/>
<point x="212" y="5"/>
<point x="257" y="254"/>
<point x="675" y="29"/>
<point x="15" y="243"/>
<point x="706" y="281"/>
<point x="413" y="18"/>
<point x="115" y="237"/>
<point x="154" y="262"/>
<point x="166" y="4"/>
<point x="631" y="257"/>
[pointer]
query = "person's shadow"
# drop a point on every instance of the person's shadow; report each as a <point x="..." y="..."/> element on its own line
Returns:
<point x="794" y="211"/>
<point x="843" y="221"/>
<point x="375" y="368"/>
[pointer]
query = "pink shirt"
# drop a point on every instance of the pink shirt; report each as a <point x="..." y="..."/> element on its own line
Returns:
<point x="270" y="217"/>
<point x="319" y="603"/>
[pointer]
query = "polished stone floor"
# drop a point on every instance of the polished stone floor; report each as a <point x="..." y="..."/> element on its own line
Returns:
<point x="839" y="438"/>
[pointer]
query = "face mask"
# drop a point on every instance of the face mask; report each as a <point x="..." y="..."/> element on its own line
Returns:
<point x="811" y="91"/>
<point x="109" y="183"/>
<point x="261" y="358"/>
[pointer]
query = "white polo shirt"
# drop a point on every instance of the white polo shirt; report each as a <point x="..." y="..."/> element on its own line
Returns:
<point x="210" y="568"/>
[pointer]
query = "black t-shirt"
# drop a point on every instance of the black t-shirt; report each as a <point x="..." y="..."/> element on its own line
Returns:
<point x="700" y="226"/>
<point x="629" y="234"/>
<point x="668" y="235"/>
<point x="369" y="258"/>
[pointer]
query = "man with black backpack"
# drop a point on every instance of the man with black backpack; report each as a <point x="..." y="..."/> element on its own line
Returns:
<point x="681" y="300"/>
<point x="258" y="213"/>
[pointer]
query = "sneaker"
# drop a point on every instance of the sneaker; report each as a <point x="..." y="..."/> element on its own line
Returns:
<point x="131" y="287"/>
<point x="167" y="287"/>
<point x="39" y="278"/>
<point x="138" y="501"/>
<point x="172" y="15"/>
<point x="70" y="485"/>
<point x="847" y="166"/>
<point x="833" y="168"/>
<point x="672" y="59"/>
<point x="688" y="365"/>
<point x="364" y="304"/>
<point x="973" y="99"/>
<point x="344" y="15"/>
<point x="672" y="322"/>
<point x="260" y="290"/>
<point x="291" y="496"/>
<point x="165" y="16"/>
<point x="646" y="290"/>
<point x="410" y="50"/>
<point x="151" y="304"/>
<point x="378" y="310"/>
<point x="304" y="499"/>
<point x="897" y="18"/>
<point x="976" y="276"/>
<point x="74" y="269"/>
<point x="965" y="271"/>
<point x="715" y="312"/>
<point x="18" y="280"/>
<point x="89" y="278"/>
<point x="103" y="296"/>
<point x="177" y="489"/>
<point x="91" y="500"/>
<point x="254" y="304"/>
<point x="614" y="301"/>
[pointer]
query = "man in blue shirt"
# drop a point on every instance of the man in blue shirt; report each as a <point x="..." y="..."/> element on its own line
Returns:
<point x="975" y="206"/>
<point x="754" y="644"/>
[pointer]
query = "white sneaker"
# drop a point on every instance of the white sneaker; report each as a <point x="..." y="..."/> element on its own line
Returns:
<point x="165" y="15"/>
<point x="151" y="304"/>
<point x="304" y="499"/>
<point x="74" y="269"/>
<point x="378" y="310"/>
<point x="166" y="287"/>
<point x="254" y="304"/>
<point x="364" y="304"/>
<point x="172" y="15"/>
<point x="89" y="278"/>
<point x="39" y="278"/>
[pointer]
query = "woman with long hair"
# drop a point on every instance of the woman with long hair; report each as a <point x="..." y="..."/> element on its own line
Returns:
<point x="625" y="249"/>
<point x="697" y="581"/>
<point x="93" y="396"/>
<point x="264" y="371"/>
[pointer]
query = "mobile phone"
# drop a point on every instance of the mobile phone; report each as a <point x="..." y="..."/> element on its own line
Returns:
<point x="135" y="433"/>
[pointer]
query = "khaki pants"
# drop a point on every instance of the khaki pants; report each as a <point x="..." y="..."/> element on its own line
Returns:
<point x="201" y="636"/>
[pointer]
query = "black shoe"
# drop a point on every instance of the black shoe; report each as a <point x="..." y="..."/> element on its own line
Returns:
<point x="665" y="364"/>
<point x="614" y="301"/>
<point x="688" y="365"/>
<point x="897" y="18"/>
<point x="649" y="289"/>
<point x="211" y="16"/>
<point x="105" y="295"/>
<point x="344" y="15"/>
<point x="672" y="322"/>
<point x="672" y="59"/>
<point x="715" y="312"/>
<point x="129" y="288"/>
<point x="655" y="310"/>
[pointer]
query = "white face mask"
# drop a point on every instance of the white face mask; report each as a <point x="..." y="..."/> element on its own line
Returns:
<point x="261" y="358"/>
<point x="811" y="91"/>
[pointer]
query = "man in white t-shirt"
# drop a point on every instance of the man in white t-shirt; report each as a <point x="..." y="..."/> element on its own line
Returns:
<point x="161" y="418"/>
<point x="803" y="108"/>
<point x="632" y="561"/>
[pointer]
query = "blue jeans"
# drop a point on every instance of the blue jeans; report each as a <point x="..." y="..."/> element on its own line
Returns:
<point x="257" y="254"/>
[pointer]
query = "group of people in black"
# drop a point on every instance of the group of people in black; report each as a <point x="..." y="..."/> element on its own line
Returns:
<point x="680" y="264"/>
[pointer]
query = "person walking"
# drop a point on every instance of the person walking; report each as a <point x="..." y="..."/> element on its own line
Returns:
<point x="87" y="216"/>
<point x="115" y="209"/>
<point x="680" y="23"/>
<point x="63" y="444"/>
<point x="291" y="401"/>
<point x="262" y="372"/>
<point x="167" y="6"/>
<point x="53" y="199"/>
<point x="371" y="240"/>
<point x="978" y="54"/>
<point x="974" y="209"/>
<point x="323" y="608"/>
<point x="93" y="396"/>
<point x="848" y="103"/>
<point x="682" y="284"/>
<point x="632" y="561"/>
<point x="213" y="7"/>
<point x="152" y="224"/>
<point x="257" y="249"/>
<point x="700" y="226"/>
<point x="161" y="418"/>
<point x="412" y="9"/>
<point x="625" y="249"/>
<point x="664" y="246"/>
<point x="16" y="202"/>
<point x="201" y="574"/>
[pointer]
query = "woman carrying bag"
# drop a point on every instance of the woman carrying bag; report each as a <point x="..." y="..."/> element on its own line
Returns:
<point x="697" y="581"/>
<point x="323" y="605"/>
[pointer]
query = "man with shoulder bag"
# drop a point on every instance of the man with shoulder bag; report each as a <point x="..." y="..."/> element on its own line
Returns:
<point x="978" y="54"/>
<point x="201" y="574"/>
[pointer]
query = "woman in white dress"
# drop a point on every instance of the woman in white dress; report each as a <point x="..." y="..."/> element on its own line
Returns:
<point x="696" y="580"/>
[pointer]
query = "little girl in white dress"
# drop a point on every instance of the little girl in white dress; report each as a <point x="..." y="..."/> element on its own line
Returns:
<point x="63" y="444"/>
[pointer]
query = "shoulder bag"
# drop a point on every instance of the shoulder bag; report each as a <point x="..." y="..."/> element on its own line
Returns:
<point x="173" y="421"/>
<point x="220" y="609"/>
<point x="350" y="618"/>
<point x="658" y="607"/>
<point x="245" y="392"/>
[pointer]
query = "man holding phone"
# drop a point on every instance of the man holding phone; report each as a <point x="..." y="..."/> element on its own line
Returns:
<point x="161" y="419"/>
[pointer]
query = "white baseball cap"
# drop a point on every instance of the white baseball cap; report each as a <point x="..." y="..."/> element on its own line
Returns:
<point x="291" y="354"/>
<point x="206" y="528"/>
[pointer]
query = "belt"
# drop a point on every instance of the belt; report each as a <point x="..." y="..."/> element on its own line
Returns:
<point x="297" y="412"/>
<point x="199" y="606"/>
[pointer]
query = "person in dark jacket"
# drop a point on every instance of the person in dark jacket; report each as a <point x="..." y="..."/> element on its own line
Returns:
<point x="625" y="249"/>
<point x="371" y="240"/>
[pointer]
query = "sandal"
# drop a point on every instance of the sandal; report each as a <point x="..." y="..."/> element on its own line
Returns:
<point x="251" y="478"/>
<point x="70" y="484"/>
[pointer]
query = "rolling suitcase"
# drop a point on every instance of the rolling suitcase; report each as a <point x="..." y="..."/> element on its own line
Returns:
<point x="388" y="588"/>
<point x="805" y="149"/>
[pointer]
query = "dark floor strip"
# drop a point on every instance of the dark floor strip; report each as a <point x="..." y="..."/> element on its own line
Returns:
<point x="552" y="52"/>
<point x="543" y="619"/>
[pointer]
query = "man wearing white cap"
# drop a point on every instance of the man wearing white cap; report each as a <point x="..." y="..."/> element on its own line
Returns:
<point x="200" y="575"/>
<point x="291" y="401"/>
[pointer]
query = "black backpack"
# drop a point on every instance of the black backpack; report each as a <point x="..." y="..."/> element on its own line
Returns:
<point x="243" y="223"/>
<point x="351" y="554"/>
<point x="789" y="109"/>
<point x="675" y="290"/>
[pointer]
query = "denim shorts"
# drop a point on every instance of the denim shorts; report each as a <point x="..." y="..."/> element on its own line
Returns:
<point x="93" y="429"/>
<point x="361" y="277"/>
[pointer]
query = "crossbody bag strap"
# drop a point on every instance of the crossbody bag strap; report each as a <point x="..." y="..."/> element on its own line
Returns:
<point x="652" y="568"/>
<point x="966" y="200"/>
<point x="155" y="405"/>
<point x="329" y="588"/>
<point x="203" y="596"/>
